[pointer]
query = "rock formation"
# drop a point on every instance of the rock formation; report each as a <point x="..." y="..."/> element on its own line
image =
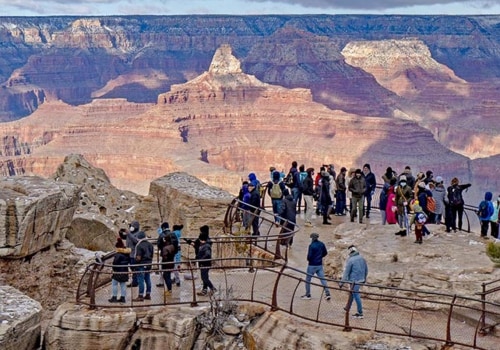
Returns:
<point x="20" y="320"/>
<point x="34" y="214"/>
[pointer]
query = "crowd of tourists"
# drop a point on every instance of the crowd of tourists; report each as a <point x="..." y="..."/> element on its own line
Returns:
<point x="405" y="200"/>
<point x="135" y="252"/>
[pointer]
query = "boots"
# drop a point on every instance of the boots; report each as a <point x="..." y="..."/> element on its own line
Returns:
<point x="121" y="300"/>
<point x="113" y="300"/>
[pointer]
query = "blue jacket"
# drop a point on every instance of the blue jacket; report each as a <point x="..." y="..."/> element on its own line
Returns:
<point x="317" y="251"/>
<point x="356" y="269"/>
<point x="488" y="196"/>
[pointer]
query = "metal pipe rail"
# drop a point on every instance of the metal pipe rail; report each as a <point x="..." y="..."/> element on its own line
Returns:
<point x="396" y="311"/>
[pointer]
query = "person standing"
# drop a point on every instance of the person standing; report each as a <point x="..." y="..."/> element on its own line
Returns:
<point x="204" y="254"/>
<point x="131" y="242"/>
<point x="371" y="185"/>
<point x="355" y="273"/>
<point x="120" y="272"/>
<point x="485" y="211"/>
<point x="167" y="261"/>
<point x="456" y="203"/>
<point x="439" y="194"/>
<point x="315" y="254"/>
<point x="308" y="193"/>
<point x="178" y="256"/>
<point x="325" y="199"/>
<point x="144" y="256"/>
<point x="340" y="207"/>
<point x="254" y="207"/>
<point x="403" y="196"/>
<point x="275" y="189"/>
<point x="288" y="216"/>
<point x="494" y="218"/>
<point x="357" y="186"/>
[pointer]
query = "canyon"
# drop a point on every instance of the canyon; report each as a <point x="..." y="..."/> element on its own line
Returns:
<point x="222" y="96"/>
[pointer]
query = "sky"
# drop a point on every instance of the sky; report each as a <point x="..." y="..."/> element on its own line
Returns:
<point x="245" y="7"/>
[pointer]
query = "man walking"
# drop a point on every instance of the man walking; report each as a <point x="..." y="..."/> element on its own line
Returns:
<point x="356" y="271"/>
<point x="317" y="251"/>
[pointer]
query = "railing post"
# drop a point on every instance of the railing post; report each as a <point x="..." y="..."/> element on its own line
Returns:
<point x="483" y="308"/>
<point x="274" y="301"/>
<point x="448" y="323"/>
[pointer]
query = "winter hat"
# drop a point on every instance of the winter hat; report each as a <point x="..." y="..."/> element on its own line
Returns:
<point x="122" y="233"/>
<point x="314" y="236"/>
<point x="252" y="177"/>
<point x="358" y="171"/>
<point x="402" y="178"/>
<point x="141" y="235"/>
<point x="164" y="226"/>
<point x="119" y="243"/>
<point x="204" y="230"/>
<point x="367" y="166"/>
<point x="421" y="184"/>
<point x="439" y="179"/>
<point x="134" y="226"/>
<point x="352" y="249"/>
<point x="276" y="175"/>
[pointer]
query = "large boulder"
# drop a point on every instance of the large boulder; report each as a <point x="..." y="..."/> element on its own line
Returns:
<point x="20" y="320"/>
<point x="35" y="213"/>
<point x="77" y="327"/>
<point x="184" y="199"/>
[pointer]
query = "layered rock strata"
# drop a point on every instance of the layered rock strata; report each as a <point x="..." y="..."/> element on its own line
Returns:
<point x="35" y="214"/>
<point x="20" y="320"/>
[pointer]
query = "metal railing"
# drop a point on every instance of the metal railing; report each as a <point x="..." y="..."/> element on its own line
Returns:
<point x="251" y="268"/>
<point x="396" y="311"/>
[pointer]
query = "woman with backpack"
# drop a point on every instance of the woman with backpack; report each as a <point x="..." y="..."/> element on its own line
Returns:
<point x="456" y="205"/>
<point x="168" y="252"/>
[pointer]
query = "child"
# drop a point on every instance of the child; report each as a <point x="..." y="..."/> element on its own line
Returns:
<point x="120" y="269"/>
<point x="419" y="218"/>
<point x="485" y="211"/>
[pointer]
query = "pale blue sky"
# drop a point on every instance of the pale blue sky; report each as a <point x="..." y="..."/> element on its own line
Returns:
<point x="245" y="7"/>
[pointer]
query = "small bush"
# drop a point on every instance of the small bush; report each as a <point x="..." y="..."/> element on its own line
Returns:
<point x="493" y="250"/>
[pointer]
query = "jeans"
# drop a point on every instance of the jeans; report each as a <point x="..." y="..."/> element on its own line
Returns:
<point x="114" y="288"/>
<point x="318" y="270"/>
<point x="144" y="276"/>
<point x="167" y="276"/>
<point x="206" y="280"/>
<point x="368" y="197"/>
<point x="295" y="193"/>
<point x="356" y="296"/>
<point x="276" y="208"/>
<point x="133" y="268"/>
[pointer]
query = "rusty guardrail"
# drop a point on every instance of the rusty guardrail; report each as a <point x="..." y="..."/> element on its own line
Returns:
<point x="396" y="311"/>
<point x="270" y="281"/>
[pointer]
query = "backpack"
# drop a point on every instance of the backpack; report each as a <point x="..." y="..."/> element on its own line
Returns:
<point x="276" y="192"/>
<point x="455" y="197"/>
<point x="483" y="210"/>
<point x="431" y="204"/>
<point x="174" y="240"/>
<point x="288" y="180"/>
